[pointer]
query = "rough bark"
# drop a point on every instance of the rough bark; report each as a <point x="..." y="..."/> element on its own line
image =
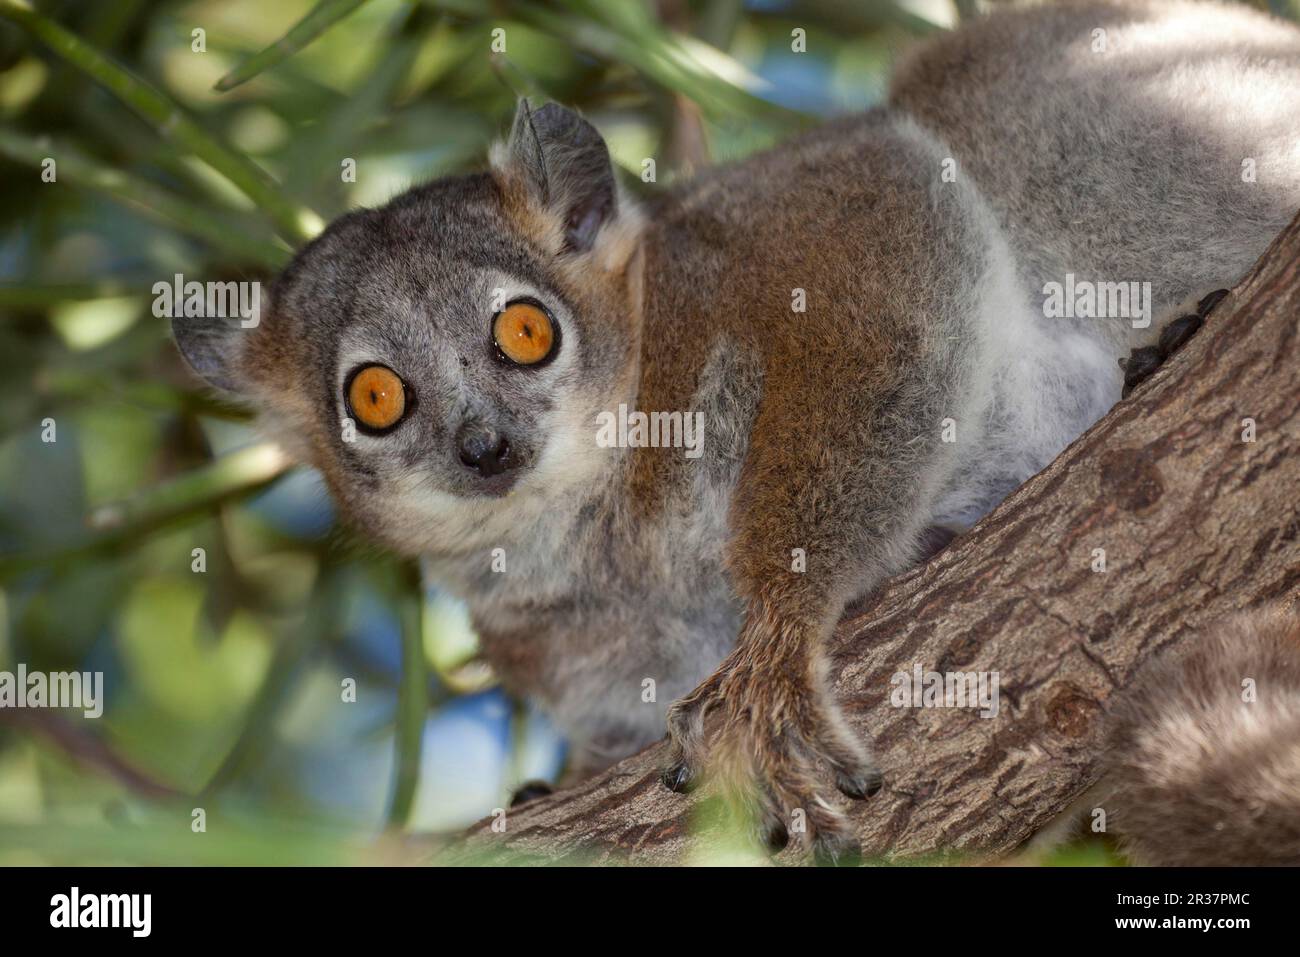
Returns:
<point x="1194" y="521"/>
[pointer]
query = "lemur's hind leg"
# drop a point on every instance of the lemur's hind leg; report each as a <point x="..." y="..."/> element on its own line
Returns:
<point x="1141" y="363"/>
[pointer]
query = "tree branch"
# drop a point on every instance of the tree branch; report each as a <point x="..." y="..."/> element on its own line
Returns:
<point x="1194" y="521"/>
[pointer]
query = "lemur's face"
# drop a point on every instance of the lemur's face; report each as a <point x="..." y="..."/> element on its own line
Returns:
<point x="443" y="359"/>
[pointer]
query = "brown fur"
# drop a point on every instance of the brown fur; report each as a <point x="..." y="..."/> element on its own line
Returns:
<point x="803" y="484"/>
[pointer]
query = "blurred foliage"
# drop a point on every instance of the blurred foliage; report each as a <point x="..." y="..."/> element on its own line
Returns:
<point x="206" y="138"/>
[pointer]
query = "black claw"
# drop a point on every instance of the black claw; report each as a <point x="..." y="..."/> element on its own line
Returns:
<point x="860" y="787"/>
<point x="1176" y="333"/>
<point x="1209" y="302"/>
<point x="836" y="851"/>
<point x="677" y="779"/>
<point x="776" y="837"/>
<point x="530" y="790"/>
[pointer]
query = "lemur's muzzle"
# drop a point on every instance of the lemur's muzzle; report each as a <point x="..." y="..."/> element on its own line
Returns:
<point x="483" y="449"/>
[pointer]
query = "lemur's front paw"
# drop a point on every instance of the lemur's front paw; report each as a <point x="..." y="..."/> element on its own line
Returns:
<point x="764" y="740"/>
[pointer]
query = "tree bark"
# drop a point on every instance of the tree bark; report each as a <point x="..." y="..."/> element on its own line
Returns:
<point x="1195" y="521"/>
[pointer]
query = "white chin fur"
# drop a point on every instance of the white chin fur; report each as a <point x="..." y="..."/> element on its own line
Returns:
<point x="430" y="521"/>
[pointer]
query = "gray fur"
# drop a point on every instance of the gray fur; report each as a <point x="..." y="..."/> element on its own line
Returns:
<point x="1123" y="164"/>
<point x="567" y="165"/>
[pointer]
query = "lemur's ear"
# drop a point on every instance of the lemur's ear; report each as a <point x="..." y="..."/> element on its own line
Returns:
<point x="211" y="348"/>
<point x="565" y="166"/>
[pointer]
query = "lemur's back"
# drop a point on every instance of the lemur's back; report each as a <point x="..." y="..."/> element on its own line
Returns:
<point x="1156" y="140"/>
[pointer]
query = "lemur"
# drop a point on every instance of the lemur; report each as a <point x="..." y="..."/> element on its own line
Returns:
<point x="857" y="317"/>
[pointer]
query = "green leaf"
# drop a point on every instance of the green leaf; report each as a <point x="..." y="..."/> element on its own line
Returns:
<point x="412" y="701"/>
<point x="297" y="224"/>
<point x="221" y="230"/>
<point x="719" y="84"/>
<point x="235" y="475"/>
<point x="321" y="17"/>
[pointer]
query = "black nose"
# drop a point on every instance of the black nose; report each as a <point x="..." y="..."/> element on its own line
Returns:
<point x="483" y="449"/>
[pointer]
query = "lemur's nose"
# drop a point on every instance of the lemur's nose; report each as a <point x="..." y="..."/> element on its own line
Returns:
<point x="483" y="449"/>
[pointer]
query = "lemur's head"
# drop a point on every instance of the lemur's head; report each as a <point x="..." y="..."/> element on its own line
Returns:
<point x="442" y="359"/>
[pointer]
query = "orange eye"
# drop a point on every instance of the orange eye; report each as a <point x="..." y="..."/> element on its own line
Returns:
<point x="377" y="397"/>
<point x="523" y="333"/>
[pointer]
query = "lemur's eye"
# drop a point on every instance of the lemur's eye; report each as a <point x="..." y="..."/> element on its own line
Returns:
<point x="523" y="333"/>
<point x="376" y="397"/>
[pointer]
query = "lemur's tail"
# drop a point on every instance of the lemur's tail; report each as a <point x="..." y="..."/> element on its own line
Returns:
<point x="1205" y="749"/>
